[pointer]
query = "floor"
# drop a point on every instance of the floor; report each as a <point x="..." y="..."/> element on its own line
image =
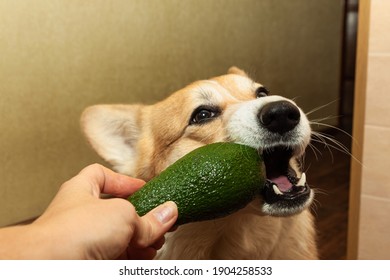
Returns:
<point x="328" y="173"/>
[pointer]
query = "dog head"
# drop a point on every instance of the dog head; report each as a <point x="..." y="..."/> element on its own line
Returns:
<point x="142" y="140"/>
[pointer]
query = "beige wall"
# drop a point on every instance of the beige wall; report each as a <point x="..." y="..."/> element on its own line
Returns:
<point x="374" y="223"/>
<point x="59" y="56"/>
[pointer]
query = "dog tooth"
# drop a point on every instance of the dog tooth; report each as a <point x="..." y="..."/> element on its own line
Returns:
<point x="302" y="181"/>
<point x="276" y="190"/>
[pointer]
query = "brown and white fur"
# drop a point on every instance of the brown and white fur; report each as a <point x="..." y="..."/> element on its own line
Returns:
<point x="142" y="140"/>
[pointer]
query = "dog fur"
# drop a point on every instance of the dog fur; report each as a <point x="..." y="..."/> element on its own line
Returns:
<point x="142" y="140"/>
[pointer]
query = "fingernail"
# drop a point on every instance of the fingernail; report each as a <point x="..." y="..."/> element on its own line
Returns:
<point x="164" y="213"/>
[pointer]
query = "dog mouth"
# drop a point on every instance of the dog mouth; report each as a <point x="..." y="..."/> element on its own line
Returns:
<point x="284" y="192"/>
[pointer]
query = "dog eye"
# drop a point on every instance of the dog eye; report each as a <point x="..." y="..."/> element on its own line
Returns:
<point x="203" y="114"/>
<point x="261" y="92"/>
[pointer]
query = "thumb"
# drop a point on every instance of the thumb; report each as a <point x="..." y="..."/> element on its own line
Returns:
<point x="154" y="224"/>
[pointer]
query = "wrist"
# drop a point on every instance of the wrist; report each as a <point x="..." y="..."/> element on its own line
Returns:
<point x="50" y="242"/>
<point x="28" y="242"/>
<point x="19" y="242"/>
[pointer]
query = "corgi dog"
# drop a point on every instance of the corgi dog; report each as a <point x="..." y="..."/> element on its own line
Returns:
<point x="142" y="140"/>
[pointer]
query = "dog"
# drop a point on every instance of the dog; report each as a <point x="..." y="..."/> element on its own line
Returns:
<point x="142" y="140"/>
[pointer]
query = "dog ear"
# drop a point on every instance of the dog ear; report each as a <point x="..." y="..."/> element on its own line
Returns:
<point x="113" y="131"/>
<point x="237" y="71"/>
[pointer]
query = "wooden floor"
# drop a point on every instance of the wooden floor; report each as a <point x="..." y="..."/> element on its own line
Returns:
<point x="328" y="173"/>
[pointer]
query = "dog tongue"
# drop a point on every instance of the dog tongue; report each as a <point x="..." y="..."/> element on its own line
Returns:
<point x="282" y="182"/>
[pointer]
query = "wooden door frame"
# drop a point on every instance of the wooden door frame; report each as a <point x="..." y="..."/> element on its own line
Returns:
<point x="358" y="129"/>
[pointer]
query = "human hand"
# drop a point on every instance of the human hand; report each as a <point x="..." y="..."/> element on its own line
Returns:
<point x="78" y="224"/>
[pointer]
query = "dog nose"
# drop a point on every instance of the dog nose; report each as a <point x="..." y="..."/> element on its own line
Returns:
<point x="279" y="117"/>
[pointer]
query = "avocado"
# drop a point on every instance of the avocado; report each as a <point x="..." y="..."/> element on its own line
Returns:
<point x="210" y="182"/>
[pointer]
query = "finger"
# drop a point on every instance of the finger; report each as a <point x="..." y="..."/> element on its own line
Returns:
<point x="135" y="253"/>
<point x="141" y="254"/>
<point x="174" y="228"/>
<point x="104" y="180"/>
<point x="159" y="243"/>
<point x="154" y="225"/>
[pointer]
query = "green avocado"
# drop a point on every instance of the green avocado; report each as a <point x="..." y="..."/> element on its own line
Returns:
<point x="210" y="182"/>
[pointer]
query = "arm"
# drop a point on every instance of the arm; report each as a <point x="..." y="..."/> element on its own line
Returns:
<point x="79" y="225"/>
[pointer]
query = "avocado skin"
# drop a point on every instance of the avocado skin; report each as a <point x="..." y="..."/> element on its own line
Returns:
<point x="210" y="182"/>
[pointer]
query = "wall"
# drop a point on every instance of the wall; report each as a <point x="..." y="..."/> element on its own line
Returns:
<point x="59" y="56"/>
<point x="370" y="178"/>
